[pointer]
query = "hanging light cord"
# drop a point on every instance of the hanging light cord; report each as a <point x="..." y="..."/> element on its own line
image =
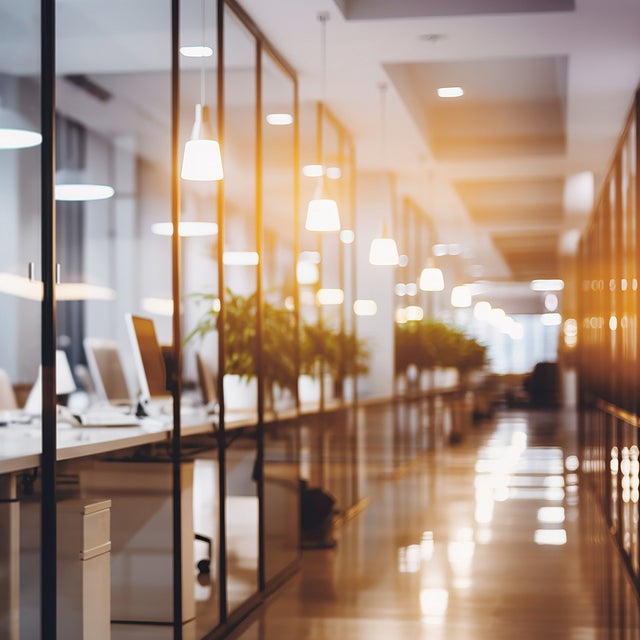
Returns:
<point x="383" y="122"/>
<point x="202" y="95"/>
<point x="323" y="17"/>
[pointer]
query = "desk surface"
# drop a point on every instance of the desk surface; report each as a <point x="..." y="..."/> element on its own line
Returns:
<point x="21" y="444"/>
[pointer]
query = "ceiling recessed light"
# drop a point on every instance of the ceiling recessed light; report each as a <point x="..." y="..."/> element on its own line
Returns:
<point x="279" y="119"/>
<point x="313" y="170"/>
<point x="186" y="228"/>
<point x="450" y="92"/>
<point x="197" y="51"/>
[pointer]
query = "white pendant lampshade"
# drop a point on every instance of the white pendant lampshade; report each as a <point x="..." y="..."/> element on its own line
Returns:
<point x="431" y="278"/>
<point x="322" y="210"/>
<point x="383" y="250"/>
<point x="322" y="215"/>
<point x="202" y="160"/>
<point x="74" y="185"/>
<point x="461" y="296"/>
<point x="16" y="132"/>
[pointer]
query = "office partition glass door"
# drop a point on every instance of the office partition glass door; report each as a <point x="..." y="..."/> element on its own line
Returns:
<point x="21" y="292"/>
<point x="199" y="214"/>
<point x="280" y="335"/>
<point x="240" y="259"/>
<point x="114" y="246"/>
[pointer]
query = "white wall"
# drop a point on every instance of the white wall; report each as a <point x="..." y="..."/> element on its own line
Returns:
<point x="374" y="204"/>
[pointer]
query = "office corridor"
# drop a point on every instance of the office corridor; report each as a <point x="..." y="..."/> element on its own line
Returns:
<point x="491" y="538"/>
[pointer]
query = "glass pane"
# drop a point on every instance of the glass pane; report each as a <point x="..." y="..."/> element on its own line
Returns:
<point x="309" y="261"/>
<point x="20" y="188"/>
<point x="113" y="130"/>
<point x="240" y="258"/>
<point x="201" y="300"/>
<point x="280" y="440"/>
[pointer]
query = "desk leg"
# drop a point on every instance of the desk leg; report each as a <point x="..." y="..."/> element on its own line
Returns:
<point x="9" y="559"/>
<point x="84" y="585"/>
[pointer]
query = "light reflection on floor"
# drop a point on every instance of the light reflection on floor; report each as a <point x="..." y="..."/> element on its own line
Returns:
<point x="491" y="539"/>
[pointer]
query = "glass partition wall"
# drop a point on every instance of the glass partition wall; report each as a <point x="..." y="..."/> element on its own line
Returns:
<point x="278" y="162"/>
<point x="330" y="353"/>
<point x="241" y="300"/>
<point x="21" y="292"/>
<point x="196" y="470"/>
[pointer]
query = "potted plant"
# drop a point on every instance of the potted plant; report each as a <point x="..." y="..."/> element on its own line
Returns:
<point x="240" y="330"/>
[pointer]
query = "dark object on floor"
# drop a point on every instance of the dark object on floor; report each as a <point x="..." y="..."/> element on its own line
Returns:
<point x="204" y="565"/>
<point x="543" y="385"/>
<point x="316" y="517"/>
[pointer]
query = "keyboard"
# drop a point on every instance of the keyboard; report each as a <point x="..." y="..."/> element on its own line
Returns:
<point x="108" y="419"/>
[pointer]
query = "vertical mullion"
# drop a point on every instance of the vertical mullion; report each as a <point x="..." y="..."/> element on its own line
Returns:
<point x="320" y="112"/>
<point x="48" y="532"/>
<point x="260" y="322"/>
<point x="222" y="470"/>
<point x="632" y="202"/>
<point x="354" y="322"/>
<point x="176" y="373"/>
<point x="296" y="236"/>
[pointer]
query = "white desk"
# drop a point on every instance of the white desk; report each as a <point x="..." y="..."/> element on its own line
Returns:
<point x="21" y="444"/>
<point x="20" y="449"/>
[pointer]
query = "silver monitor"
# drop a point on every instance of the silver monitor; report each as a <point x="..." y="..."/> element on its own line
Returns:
<point x="208" y="383"/>
<point x="148" y="359"/>
<point x="107" y="372"/>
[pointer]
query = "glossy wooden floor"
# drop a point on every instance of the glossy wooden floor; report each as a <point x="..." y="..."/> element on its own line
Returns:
<point x="492" y="538"/>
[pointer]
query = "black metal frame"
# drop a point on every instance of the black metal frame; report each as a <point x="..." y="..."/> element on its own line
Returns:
<point x="176" y="280"/>
<point x="48" y="537"/>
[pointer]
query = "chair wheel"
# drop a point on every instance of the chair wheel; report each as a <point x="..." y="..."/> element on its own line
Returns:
<point x="204" y="566"/>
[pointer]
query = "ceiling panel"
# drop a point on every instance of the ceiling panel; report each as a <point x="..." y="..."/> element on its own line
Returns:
<point x="384" y="9"/>
<point x="513" y="203"/>
<point x="524" y="218"/>
<point x="530" y="256"/>
<point x="510" y="108"/>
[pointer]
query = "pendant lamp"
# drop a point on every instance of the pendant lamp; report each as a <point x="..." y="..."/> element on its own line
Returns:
<point x="431" y="278"/>
<point x="74" y="185"/>
<point x="461" y="296"/>
<point x="322" y="211"/>
<point x="15" y="131"/>
<point x="383" y="250"/>
<point x="202" y="160"/>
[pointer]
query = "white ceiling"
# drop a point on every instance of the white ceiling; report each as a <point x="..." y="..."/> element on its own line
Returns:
<point x="548" y="90"/>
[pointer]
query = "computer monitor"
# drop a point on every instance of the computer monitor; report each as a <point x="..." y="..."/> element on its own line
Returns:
<point x="208" y="384"/>
<point x="106" y="370"/>
<point x="147" y="356"/>
<point x="65" y="385"/>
